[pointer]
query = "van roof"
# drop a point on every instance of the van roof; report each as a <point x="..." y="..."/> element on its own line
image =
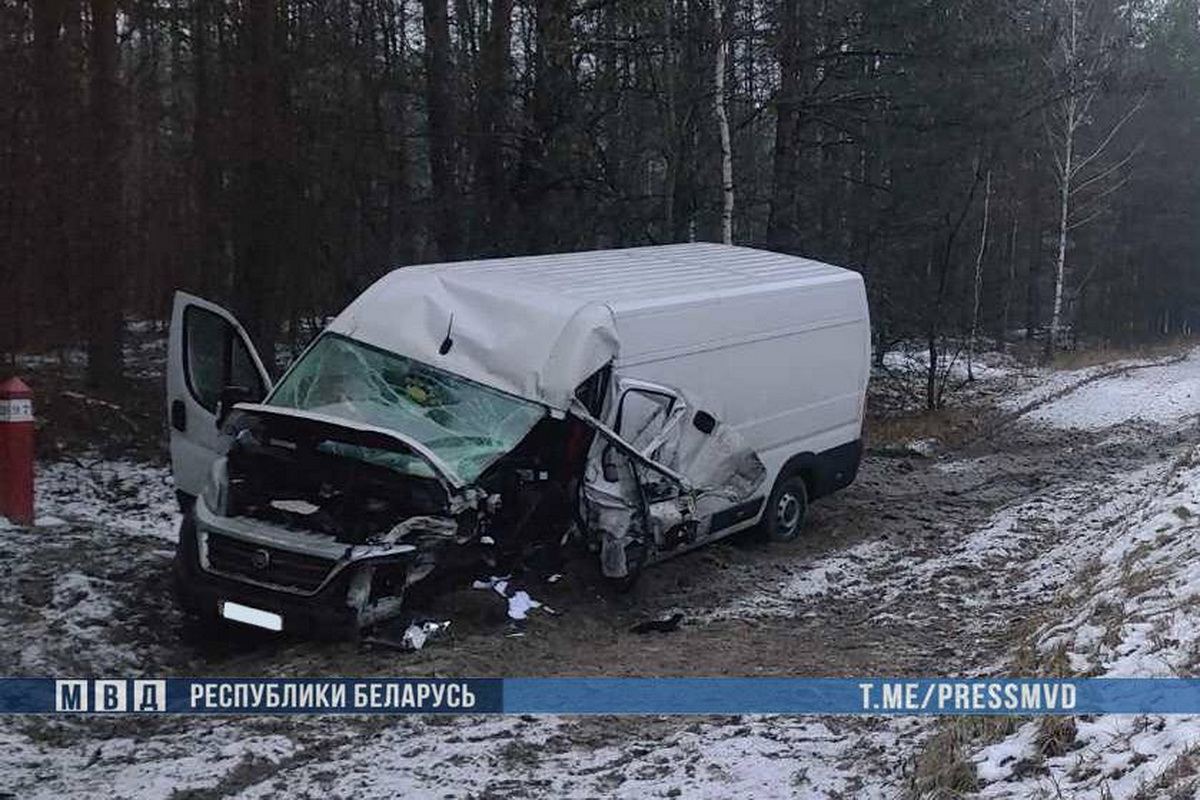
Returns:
<point x="636" y="277"/>
<point x="538" y="326"/>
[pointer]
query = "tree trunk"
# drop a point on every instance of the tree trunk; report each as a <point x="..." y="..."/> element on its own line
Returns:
<point x="1011" y="283"/>
<point x="1064" y="215"/>
<point x="263" y="229"/>
<point x="104" y="321"/>
<point x="978" y="286"/>
<point x="493" y="203"/>
<point x="442" y="133"/>
<point x="46" y="272"/>
<point x="210" y="274"/>
<point x="548" y="166"/>
<point x="719" y="102"/>
<point x="783" y="222"/>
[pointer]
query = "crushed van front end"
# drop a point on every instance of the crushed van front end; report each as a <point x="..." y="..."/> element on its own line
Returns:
<point x="311" y="595"/>
<point x="322" y="527"/>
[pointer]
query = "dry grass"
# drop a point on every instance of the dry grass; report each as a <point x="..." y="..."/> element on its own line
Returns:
<point x="1178" y="780"/>
<point x="951" y="426"/>
<point x="1111" y="617"/>
<point x="942" y="768"/>
<point x="1139" y="581"/>
<point x="1056" y="736"/>
<point x="1092" y="356"/>
<point x="1029" y="662"/>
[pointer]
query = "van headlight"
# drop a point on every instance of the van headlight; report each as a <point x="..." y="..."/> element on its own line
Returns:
<point x="216" y="491"/>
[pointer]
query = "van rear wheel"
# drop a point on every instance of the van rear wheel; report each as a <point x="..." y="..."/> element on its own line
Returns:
<point x="787" y="506"/>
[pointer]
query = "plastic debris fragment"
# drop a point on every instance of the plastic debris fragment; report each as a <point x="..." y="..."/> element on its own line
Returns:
<point x="418" y="633"/>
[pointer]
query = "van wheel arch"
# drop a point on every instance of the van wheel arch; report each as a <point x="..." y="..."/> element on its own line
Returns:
<point x="804" y="466"/>
<point x="787" y="505"/>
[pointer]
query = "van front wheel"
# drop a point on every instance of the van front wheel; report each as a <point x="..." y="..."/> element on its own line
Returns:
<point x="786" y="508"/>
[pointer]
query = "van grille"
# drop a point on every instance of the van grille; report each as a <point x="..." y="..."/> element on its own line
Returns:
<point x="264" y="564"/>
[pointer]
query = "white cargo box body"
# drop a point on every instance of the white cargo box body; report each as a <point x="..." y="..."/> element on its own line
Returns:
<point x="777" y="346"/>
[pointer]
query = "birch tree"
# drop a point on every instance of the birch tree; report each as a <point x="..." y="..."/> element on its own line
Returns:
<point x="1083" y="58"/>
<point x="978" y="284"/>
<point x="719" y="102"/>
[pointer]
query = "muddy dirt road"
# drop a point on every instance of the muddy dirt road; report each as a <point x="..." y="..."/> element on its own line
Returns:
<point x="931" y="564"/>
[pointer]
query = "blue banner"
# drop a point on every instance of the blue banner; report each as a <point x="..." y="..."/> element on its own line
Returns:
<point x="868" y="696"/>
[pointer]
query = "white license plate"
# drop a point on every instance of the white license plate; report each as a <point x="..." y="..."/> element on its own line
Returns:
<point x="251" y="616"/>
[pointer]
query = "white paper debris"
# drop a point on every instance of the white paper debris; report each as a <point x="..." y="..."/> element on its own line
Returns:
<point x="418" y="633"/>
<point x="520" y="604"/>
<point x="295" y="506"/>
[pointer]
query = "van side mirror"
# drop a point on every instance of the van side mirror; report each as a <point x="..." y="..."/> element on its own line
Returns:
<point x="230" y="397"/>
<point x="705" y="422"/>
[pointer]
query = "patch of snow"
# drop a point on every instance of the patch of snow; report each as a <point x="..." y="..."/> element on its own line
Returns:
<point x="1130" y="611"/>
<point x="1157" y="394"/>
<point x="161" y="767"/>
<point x="915" y="358"/>
<point x="560" y="757"/>
<point x="133" y="497"/>
<point x="885" y="574"/>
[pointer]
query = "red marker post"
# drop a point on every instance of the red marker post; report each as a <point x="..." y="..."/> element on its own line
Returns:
<point x="16" y="451"/>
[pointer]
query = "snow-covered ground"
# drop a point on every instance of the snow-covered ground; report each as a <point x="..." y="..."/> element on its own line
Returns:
<point x="1131" y="391"/>
<point x="130" y="497"/>
<point x="1132" y="609"/>
<point x="1078" y="524"/>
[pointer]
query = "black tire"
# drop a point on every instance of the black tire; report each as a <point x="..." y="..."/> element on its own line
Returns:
<point x="783" y="518"/>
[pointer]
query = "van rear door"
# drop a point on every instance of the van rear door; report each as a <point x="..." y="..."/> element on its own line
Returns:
<point x="207" y="352"/>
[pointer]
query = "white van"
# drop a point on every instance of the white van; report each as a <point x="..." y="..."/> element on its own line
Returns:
<point x="649" y="400"/>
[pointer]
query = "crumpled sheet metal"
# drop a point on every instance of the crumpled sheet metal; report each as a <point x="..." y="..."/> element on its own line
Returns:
<point x="532" y="344"/>
<point x="719" y="465"/>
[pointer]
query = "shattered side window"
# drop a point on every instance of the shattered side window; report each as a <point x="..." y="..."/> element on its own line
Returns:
<point x="642" y="416"/>
<point x="464" y="423"/>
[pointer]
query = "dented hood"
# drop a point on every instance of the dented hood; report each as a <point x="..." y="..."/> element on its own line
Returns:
<point x="363" y="433"/>
<point x="514" y="338"/>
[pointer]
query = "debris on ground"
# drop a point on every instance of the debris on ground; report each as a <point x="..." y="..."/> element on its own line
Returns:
<point x="519" y="601"/>
<point x="419" y="633"/>
<point x="415" y="636"/>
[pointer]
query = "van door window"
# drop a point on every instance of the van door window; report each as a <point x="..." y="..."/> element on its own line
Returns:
<point x="216" y="358"/>
<point x="642" y="415"/>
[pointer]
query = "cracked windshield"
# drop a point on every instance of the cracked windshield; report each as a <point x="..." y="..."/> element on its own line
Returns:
<point x="467" y="425"/>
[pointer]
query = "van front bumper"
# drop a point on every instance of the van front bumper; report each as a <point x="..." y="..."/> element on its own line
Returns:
<point x="324" y="614"/>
